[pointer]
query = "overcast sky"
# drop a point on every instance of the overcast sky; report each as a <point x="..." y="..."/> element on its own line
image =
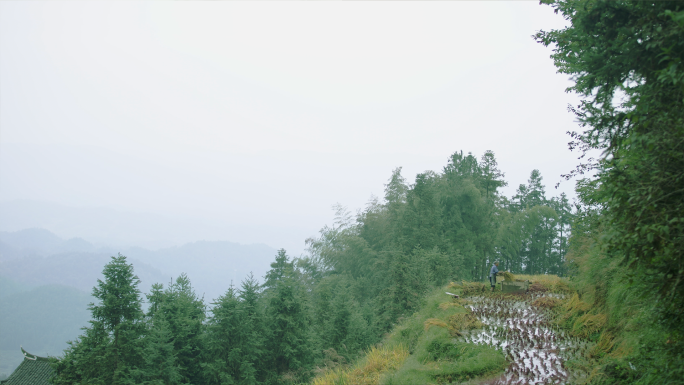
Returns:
<point x="246" y="121"/>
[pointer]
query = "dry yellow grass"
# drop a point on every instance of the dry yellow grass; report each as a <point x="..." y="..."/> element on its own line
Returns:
<point x="589" y="324"/>
<point x="368" y="372"/>
<point x="604" y="345"/>
<point x="462" y="321"/>
<point x="593" y="376"/>
<point x="550" y="282"/>
<point x="572" y="307"/>
<point x="460" y="302"/>
<point x="546" y="302"/>
<point x="623" y="350"/>
<point x="576" y="305"/>
<point x="508" y="276"/>
<point x="430" y="322"/>
<point x="471" y="288"/>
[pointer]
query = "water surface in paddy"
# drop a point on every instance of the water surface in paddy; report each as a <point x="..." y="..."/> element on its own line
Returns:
<point x="536" y="349"/>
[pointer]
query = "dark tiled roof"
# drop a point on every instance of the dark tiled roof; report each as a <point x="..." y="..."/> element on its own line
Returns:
<point x="33" y="370"/>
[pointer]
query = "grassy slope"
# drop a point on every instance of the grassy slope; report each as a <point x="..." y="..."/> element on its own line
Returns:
<point x="422" y="350"/>
<point x="601" y="306"/>
<point x="632" y="344"/>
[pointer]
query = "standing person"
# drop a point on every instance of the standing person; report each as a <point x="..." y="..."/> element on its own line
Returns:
<point x="492" y="274"/>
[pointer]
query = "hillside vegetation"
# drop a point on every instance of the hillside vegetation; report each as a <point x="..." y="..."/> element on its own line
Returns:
<point x="625" y="58"/>
<point x="421" y="350"/>
<point x="322" y="310"/>
<point x="594" y="338"/>
<point x="363" y="305"/>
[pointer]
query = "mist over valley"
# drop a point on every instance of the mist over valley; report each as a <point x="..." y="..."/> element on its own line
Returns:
<point x="46" y="282"/>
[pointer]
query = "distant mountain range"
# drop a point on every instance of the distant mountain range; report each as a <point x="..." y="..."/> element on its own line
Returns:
<point x="121" y="228"/>
<point x="40" y="319"/>
<point x="37" y="257"/>
<point x="46" y="281"/>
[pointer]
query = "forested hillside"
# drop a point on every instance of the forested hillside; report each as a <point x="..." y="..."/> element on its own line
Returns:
<point x="360" y="276"/>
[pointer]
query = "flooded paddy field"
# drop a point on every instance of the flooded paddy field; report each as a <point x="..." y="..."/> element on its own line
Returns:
<point x="536" y="349"/>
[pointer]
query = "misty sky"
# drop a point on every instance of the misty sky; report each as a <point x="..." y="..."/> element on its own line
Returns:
<point x="247" y="121"/>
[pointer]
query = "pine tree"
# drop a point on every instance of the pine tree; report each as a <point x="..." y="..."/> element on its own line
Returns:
<point x="179" y="310"/>
<point x="288" y="320"/>
<point x="492" y="177"/>
<point x="278" y="269"/>
<point x="227" y="334"/>
<point x="536" y="194"/>
<point x="161" y="367"/>
<point x="422" y="218"/>
<point x="83" y="359"/>
<point x="110" y="350"/>
<point x="395" y="202"/>
<point x="252" y="367"/>
<point x="347" y="328"/>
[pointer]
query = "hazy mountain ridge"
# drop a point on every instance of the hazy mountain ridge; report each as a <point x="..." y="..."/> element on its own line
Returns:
<point x="79" y="270"/>
<point x="40" y="242"/>
<point x="41" y="319"/>
<point x="117" y="229"/>
<point x="46" y="281"/>
<point x="37" y="256"/>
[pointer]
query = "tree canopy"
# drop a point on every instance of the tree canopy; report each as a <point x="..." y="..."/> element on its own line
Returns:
<point x="626" y="58"/>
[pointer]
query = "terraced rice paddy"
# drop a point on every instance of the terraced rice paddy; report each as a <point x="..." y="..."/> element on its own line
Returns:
<point x="536" y="349"/>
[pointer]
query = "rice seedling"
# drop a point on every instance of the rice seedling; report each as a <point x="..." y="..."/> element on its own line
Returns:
<point x="521" y="327"/>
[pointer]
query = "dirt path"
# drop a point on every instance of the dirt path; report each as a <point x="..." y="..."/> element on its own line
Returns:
<point x="536" y="349"/>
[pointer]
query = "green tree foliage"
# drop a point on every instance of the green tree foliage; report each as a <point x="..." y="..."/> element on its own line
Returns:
<point x="161" y="360"/>
<point x="338" y="319"/>
<point x="561" y="206"/>
<point x="110" y="350"/>
<point x="532" y="239"/>
<point x="361" y="275"/>
<point x="287" y="319"/>
<point x="422" y="219"/>
<point x="626" y="60"/>
<point x="492" y="177"/>
<point x="178" y="313"/>
<point x="449" y="225"/>
<point x="253" y="349"/>
<point x="83" y="359"/>
<point x="235" y="337"/>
